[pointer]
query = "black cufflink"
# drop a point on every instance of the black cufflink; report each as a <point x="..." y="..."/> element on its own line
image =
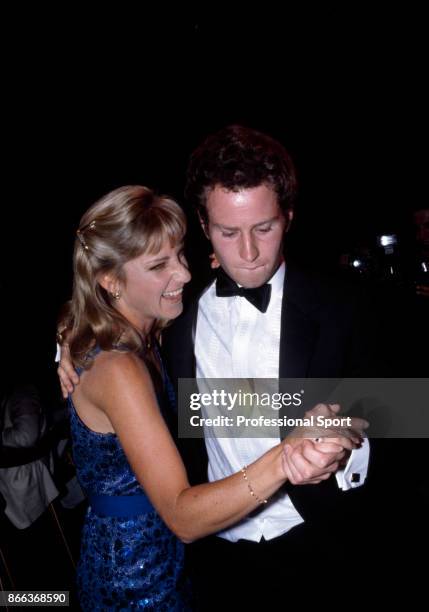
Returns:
<point x="355" y="477"/>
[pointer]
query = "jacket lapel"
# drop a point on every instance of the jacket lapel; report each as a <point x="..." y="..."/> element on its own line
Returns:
<point x="299" y="330"/>
<point x="178" y="344"/>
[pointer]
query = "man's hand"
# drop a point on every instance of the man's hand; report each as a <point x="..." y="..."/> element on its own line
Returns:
<point x="66" y="372"/>
<point x="309" y="463"/>
<point x="312" y="454"/>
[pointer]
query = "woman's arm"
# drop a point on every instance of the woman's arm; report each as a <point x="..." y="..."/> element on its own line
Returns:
<point x="120" y="385"/>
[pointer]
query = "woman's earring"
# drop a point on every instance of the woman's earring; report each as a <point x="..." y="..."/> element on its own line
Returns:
<point x="116" y="295"/>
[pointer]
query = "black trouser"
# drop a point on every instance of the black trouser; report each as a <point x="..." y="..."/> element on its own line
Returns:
<point x="333" y="563"/>
<point x="248" y="574"/>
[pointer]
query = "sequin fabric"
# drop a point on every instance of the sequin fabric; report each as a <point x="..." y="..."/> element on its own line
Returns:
<point x="125" y="563"/>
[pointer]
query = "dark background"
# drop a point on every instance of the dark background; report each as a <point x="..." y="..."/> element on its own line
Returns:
<point x="96" y="101"/>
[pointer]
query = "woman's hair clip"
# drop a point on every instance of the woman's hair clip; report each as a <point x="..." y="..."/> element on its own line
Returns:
<point x="80" y="231"/>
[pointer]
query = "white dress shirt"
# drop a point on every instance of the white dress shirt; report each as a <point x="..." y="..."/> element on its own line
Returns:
<point x="235" y="340"/>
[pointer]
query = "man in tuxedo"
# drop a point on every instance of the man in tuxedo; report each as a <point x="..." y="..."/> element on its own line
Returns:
<point x="264" y="318"/>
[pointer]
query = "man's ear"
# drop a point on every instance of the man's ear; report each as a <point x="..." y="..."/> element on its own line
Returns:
<point x="288" y="217"/>
<point x="204" y="226"/>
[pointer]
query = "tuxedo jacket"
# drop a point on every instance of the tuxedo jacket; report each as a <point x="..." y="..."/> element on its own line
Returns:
<point x="326" y="332"/>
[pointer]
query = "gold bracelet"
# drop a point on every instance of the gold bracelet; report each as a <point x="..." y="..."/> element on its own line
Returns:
<point x="249" y="486"/>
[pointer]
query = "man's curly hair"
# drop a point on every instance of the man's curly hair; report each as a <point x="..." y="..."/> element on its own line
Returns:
<point x="237" y="158"/>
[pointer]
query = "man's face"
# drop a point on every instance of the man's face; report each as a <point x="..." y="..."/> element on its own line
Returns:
<point x="246" y="229"/>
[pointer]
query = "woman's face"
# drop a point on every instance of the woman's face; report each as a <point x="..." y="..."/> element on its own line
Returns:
<point x="153" y="286"/>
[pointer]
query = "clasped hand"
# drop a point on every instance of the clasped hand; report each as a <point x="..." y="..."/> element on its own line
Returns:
<point x="312" y="454"/>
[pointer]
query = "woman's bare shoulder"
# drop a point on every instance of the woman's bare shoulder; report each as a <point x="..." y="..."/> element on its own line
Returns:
<point x="115" y="370"/>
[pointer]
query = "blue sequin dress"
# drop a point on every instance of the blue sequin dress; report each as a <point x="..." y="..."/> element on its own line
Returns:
<point x="125" y="563"/>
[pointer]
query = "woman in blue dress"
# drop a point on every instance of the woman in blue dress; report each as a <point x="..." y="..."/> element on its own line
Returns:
<point x="129" y="274"/>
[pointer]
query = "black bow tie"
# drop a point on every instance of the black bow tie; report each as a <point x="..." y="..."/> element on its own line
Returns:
<point x="259" y="296"/>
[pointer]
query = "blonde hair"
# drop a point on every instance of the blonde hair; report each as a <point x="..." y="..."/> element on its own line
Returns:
<point x="122" y="225"/>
